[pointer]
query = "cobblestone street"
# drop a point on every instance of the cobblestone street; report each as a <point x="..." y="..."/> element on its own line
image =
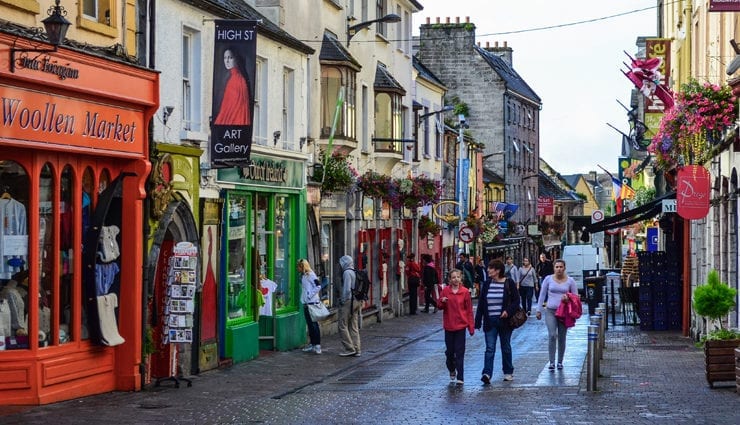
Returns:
<point x="648" y="378"/>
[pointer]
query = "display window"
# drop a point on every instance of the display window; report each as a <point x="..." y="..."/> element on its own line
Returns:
<point x="258" y="249"/>
<point x="51" y="192"/>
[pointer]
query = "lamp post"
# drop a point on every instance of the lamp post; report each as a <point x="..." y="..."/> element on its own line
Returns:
<point x="461" y="174"/>
<point x="353" y="29"/>
<point x="56" y="26"/>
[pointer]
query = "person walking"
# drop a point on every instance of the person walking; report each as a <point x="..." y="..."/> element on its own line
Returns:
<point x="310" y="289"/>
<point x="544" y="269"/>
<point x="457" y="316"/>
<point x="498" y="301"/>
<point x="413" y="276"/>
<point x="467" y="269"/>
<point x="430" y="280"/>
<point x="555" y="288"/>
<point x="349" y="310"/>
<point x="527" y="280"/>
<point x="480" y="275"/>
<point x="511" y="270"/>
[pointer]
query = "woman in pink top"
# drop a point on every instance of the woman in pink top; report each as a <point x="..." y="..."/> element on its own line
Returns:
<point x="555" y="288"/>
<point x="457" y="307"/>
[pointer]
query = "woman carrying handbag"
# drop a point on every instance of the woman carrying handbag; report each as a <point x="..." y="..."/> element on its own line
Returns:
<point x="527" y="278"/>
<point x="498" y="301"/>
<point x="310" y="289"/>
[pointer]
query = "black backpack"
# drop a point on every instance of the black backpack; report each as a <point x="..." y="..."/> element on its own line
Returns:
<point x="362" y="285"/>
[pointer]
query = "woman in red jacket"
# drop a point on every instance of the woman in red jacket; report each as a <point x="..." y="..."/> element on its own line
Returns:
<point x="457" y="307"/>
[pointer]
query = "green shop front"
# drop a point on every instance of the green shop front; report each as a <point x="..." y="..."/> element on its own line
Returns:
<point x="263" y="237"/>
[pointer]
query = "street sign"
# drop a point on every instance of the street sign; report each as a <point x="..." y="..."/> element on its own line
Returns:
<point x="597" y="239"/>
<point x="466" y="234"/>
<point x="669" y="205"/>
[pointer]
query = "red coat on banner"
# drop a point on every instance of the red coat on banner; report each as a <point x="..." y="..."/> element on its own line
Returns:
<point x="693" y="185"/>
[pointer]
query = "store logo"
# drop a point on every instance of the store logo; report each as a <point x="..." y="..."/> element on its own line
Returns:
<point x="49" y="66"/>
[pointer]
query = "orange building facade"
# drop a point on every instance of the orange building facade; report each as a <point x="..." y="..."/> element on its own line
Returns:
<point x="74" y="158"/>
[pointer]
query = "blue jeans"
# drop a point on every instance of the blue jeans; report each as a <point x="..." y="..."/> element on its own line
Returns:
<point x="502" y="331"/>
<point x="314" y="332"/>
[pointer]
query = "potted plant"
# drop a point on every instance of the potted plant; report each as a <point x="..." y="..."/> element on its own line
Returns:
<point x="713" y="301"/>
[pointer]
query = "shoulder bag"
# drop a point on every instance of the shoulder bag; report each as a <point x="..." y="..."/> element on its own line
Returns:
<point x="318" y="311"/>
<point x="519" y="317"/>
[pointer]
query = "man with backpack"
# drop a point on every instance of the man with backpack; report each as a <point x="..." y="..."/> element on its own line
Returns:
<point x="349" y="309"/>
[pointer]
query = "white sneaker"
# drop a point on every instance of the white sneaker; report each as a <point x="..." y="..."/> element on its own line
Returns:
<point x="508" y="377"/>
<point x="308" y="348"/>
<point x="317" y="348"/>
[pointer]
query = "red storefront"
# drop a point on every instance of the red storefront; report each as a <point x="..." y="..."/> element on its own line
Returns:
<point x="73" y="164"/>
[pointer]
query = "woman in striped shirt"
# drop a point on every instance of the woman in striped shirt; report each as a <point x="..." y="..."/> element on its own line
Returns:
<point x="498" y="300"/>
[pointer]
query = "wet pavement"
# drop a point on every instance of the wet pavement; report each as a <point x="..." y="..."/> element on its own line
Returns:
<point x="647" y="378"/>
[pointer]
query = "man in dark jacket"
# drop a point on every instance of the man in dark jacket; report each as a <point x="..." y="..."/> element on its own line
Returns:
<point x="430" y="280"/>
<point x="413" y="276"/>
<point x="467" y="269"/>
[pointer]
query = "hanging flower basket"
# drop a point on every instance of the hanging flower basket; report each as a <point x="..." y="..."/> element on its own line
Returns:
<point x="417" y="192"/>
<point x="428" y="226"/>
<point x="335" y="173"/>
<point x="695" y="124"/>
<point x="375" y="185"/>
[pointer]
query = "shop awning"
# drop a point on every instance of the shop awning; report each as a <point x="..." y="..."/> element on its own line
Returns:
<point x="643" y="212"/>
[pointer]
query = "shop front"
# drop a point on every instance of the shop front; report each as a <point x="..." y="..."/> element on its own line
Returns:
<point x="73" y="166"/>
<point x="264" y="235"/>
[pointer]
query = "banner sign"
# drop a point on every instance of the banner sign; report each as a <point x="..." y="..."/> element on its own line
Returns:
<point x="234" y="50"/>
<point x="545" y="206"/>
<point x="692" y="192"/>
<point x="724" y="5"/>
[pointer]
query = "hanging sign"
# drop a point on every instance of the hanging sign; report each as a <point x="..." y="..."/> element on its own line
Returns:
<point x="724" y="5"/>
<point x="234" y="50"/>
<point x="692" y="192"/>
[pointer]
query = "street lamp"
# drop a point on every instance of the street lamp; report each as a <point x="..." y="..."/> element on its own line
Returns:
<point x="447" y="108"/>
<point x="56" y="26"/>
<point x="353" y="29"/>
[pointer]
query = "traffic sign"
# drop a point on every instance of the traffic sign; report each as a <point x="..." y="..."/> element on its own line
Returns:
<point x="597" y="216"/>
<point x="466" y="234"/>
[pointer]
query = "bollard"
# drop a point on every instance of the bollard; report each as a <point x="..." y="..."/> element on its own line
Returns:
<point x="592" y="371"/>
<point x="595" y="320"/>
<point x="605" y="314"/>
<point x="602" y="338"/>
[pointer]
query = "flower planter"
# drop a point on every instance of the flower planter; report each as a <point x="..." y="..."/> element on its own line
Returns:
<point x="719" y="356"/>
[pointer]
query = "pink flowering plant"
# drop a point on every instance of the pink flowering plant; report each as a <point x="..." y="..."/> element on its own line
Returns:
<point x="376" y="185"/>
<point x="416" y="192"/>
<point x="687" y="132"/>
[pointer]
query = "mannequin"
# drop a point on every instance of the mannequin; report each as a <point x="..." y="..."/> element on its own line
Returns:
<point x="15" y="296"/>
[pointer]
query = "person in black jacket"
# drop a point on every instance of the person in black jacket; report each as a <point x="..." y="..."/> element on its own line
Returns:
<point x="430" y="280"/>
<point x="544" y="268"/>
<point x="498" y="301"/>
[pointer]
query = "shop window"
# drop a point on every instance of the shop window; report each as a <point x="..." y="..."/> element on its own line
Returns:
<point x="238" y="302"/>
<point x="14" y="199"/>
<point x="47" y="230"/>
<point x="104" y="180"/>
<point x="67" y="229"/>
<point x="259" y="249"/>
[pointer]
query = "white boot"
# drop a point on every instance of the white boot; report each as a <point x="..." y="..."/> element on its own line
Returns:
<point x="317" y="348"/>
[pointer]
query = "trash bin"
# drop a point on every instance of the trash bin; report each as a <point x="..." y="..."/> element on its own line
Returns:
<point x="594" y="292"/>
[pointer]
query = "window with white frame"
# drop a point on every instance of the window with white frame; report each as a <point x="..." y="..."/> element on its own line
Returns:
<point x="426" y="147"/>
<point x="365" y="119"/>
<point x="438" y="133"/>
<point x="259" y="124"/>
<point x="336" y="80"/>
<point x="191" y="80"/>
<point x="288" y="104"/>
<point x="97" y="10"/>
<point x="380" y="11"/>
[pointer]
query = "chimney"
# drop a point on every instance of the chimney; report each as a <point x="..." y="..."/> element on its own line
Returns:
<point x="592" y="177"/>
<point x="504" y="53"/>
